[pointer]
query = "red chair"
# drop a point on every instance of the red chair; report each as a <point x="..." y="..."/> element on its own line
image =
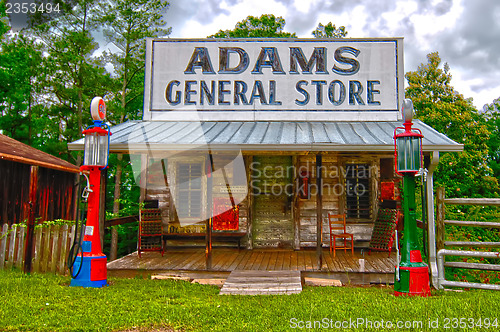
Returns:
<point x="338" y="231"/>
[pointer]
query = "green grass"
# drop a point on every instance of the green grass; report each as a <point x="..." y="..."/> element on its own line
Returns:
<point x="45" y="303"/>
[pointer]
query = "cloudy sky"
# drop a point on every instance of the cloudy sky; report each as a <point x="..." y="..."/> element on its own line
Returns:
<point x="466" y="33"/>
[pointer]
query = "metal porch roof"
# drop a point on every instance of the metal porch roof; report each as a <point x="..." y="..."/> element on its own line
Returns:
<point x="375" y="136"/>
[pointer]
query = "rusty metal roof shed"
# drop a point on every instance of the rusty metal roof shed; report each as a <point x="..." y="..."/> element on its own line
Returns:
<point x="139" y="136"/>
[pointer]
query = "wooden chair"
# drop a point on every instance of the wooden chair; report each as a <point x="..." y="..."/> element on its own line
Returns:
<point x="337" y="223"/>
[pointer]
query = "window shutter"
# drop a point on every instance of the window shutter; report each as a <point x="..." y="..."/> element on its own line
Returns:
<point x="189" y="190"/>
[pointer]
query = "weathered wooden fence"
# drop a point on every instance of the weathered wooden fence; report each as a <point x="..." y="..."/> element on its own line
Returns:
<point x="51" y="246"/>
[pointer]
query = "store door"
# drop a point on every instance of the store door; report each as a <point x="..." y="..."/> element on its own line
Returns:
<point x="272" y="185"/>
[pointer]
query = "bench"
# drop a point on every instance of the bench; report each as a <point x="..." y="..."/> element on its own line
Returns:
<point x="216" y="236"/>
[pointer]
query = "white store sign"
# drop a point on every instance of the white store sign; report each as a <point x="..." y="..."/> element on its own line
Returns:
<point x="274" y="79"/>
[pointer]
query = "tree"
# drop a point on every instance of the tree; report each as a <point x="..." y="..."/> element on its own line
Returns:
<point x="126" y="25"/>
<point x="76" y="76"/>
<point x="21" y="70"/>
<point x="492" y="115"/>
<point x="267" y="26"/>
<point x="4" y="26"/>
<point x="329" y="31"/>
<point x="467" y="173"/>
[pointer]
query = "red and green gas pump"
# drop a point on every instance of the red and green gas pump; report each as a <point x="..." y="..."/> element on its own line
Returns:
<point x="412" y="275"/>
<point x="90" y="262"/>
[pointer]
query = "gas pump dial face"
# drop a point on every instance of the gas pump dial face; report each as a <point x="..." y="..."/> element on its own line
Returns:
<point x="408" y="110"/>
<point x="98" y="109"/>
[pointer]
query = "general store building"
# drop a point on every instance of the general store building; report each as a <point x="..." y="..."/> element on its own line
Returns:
<point x="246" y="123"/>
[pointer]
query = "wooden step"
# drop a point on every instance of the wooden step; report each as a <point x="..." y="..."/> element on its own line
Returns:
<point x="251" y="282"/>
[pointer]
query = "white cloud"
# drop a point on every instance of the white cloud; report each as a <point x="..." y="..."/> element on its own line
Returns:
<point x="303" y="6"/>
<point x="465" y="33"/>
<point x="226" y="17"/>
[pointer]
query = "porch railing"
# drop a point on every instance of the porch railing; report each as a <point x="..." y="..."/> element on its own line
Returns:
<point x="51" y="246"/>
<point x="441" y="244"/>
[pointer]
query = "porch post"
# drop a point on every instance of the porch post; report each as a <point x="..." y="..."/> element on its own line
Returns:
<point x="208" y="234"/>
<point x="143" y="178"/>
<point x="319" y="210"/>
<point x="431" y="222"/>
<point x="28" y="250"/>
<point x="295" y="204"/>
<point x="250" y="214"/>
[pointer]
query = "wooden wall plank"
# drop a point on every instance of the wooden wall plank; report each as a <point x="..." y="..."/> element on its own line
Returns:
<point x="3" y="244"/>
<point x="64" y="249"/>
<point x="38" y="248"/>
<point x="45" y="249"/>
<point x="12" y="246"/>
<point x="20" y="247"/>
<point x="5" y="167"/>
<point x="71" y="238"/>
<point x="55" y="248"/>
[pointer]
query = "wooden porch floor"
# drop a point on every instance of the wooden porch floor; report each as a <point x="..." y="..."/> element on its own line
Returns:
<point x="226" y="260"/>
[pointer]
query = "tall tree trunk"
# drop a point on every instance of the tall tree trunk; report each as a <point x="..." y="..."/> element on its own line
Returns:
<point x="80" y="123"/>
<point x="30" y="131"/>
<point x="118" y="180"/>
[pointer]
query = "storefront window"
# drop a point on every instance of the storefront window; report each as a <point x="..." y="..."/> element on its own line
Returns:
<point x="357" y="180"/>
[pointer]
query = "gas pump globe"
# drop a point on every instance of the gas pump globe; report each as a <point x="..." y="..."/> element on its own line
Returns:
<point x="411" y="275"/>
<point x="91" y="263"/>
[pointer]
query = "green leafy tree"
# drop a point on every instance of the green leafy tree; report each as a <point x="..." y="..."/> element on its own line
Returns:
<point x="21" y="70"/>
<point x="492" y="115"/>
<point x="126" y="25"/>
<point x="4" y="19"/>
<point x="464" y="174"/>
<point x="329" y="31"/>
<point x="267" y="26"/>
<point x="76" y="75"/>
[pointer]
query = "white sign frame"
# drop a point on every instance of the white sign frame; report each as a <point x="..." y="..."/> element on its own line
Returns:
<point x="379" y="76"/>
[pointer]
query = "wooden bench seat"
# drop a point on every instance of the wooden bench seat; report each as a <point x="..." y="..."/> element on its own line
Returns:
<point x="216" y="236"/>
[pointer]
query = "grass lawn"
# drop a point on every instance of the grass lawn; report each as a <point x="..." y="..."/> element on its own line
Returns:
<point x="45" y="303"/>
